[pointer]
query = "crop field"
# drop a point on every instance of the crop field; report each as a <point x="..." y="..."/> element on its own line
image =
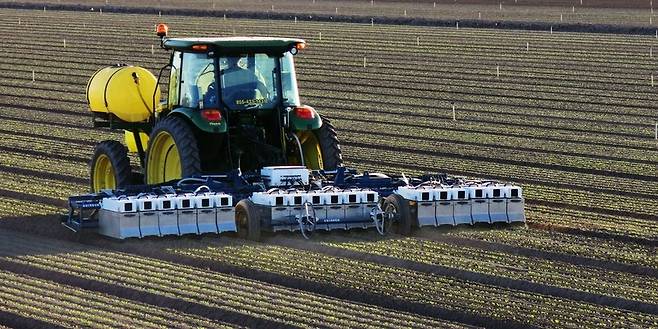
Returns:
<point x="631" y="13"/>
<point x="571" y="117"/>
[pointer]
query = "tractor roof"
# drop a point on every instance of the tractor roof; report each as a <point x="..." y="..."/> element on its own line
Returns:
<point x="233" y="44"/>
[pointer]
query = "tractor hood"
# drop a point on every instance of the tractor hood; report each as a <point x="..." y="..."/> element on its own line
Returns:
<point x="234" y="45"/>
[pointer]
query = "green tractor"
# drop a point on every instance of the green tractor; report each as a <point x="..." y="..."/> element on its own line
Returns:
<point x="232" y="103"/>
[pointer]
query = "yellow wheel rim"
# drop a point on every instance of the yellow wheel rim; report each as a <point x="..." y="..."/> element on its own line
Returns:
<point x="163" y="163"/>
<point x="104" y="177"/>
<point x="312" y="151"/>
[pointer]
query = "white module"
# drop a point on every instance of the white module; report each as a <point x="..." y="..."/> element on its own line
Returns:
<point x="445" y="212"/>
<point x="458" y="193"/>
<point x="462" y="212"/>
<point x="369" y="197"/>
<point x="221" y="200"/>
<point x="416" y="193"/>
<point x="202" y="201"/>
<point x="165" y="202"/>
<point x="512" y="191"/>
<point x="332" y="198"/>
<point x="498" y="210"/>
<point x="314" y="197"/>
<point x="476" y="192"/>
<point x="284" y="175"/>
<point x="184" y="201"/>
<point x="187" y="222"/>
<point x="167" y="216"/>
<point x="297" y="198"/>
<point x="118" y="218"/>
<point x="515" y="210"/>
<point x="148" y="217"/>
<point x="269" y="199"/>
<point x="441" y="193"/>
<point x="119" y="204"/>
<point x="352" y="197"/>
<point x="497" y="191"/>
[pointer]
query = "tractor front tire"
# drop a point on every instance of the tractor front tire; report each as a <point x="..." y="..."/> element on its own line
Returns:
<point x="173" y="152"/>
<point x="247" y="220"/>
<point x="110" y="166"/>
<point x="399" y="208"/>
<point x="332" y="157"/>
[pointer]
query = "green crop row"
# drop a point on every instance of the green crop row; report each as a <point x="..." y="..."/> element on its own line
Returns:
<point x="617" y="225"/>
<point x="429" y="98"/>
<point x="532" y="162"/>
<point x="431" y="289"/>
<point x="552" y="273"/>
<point x="456" y="136"/>
<point x="567" y="244"/>
<point x="41" y="186"/>
<point x="347" y="112"/>
<point x="69" y="306"/>
<point x="10" y="207"/>
<point x="546" y="11"/>
<point x="215" y="290"/>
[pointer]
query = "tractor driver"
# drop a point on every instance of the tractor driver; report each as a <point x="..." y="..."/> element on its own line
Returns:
<point x="242" y="88"/>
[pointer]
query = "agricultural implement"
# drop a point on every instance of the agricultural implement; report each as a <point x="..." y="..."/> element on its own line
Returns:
<point x="231" y="148"/>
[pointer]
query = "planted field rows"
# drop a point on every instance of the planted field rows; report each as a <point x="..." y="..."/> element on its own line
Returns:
<point x="589" y="247"/>
<point x="11" y="207"/>
<point x="592" y="280"/>
<point x="456" y="294"/>
<point x="73" y="307"/>
<point x="570" y="118"/>
<point x="213" y="290"/>
<point x="617" y="226"/>
<point x="599" y="12"/>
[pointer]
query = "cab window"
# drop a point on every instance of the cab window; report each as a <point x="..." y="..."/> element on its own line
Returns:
<point x="197" y="75"/>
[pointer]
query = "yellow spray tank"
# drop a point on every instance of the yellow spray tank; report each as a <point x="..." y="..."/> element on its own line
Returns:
<point x="125" y="91"/>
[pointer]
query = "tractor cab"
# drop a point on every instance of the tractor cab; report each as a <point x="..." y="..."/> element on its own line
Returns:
<point x="233" y="74"/>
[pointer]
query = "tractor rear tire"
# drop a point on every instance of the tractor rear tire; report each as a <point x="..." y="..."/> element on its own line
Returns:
<point x="173" y="152"/>
<point x="332" y="156"/>
<point x="247" y="220"/>
<point x="110" y="166"/>
<point x="401" y="221"/>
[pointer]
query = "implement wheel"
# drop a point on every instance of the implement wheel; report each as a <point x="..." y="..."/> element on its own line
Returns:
<point x="247" y="220"/>
<point x="321" y="147"/>
<point x="397" y="208"/>
<point x="172" y="152"/>
<point x="110" y="166"/>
